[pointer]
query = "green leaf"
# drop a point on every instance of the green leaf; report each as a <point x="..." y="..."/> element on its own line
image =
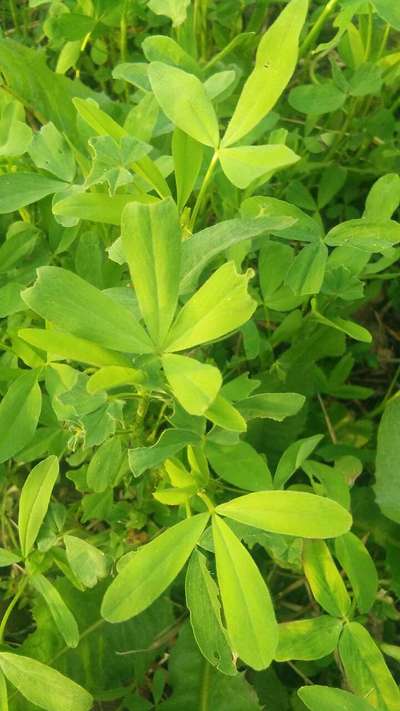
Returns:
<point x="113" y="376"/>
<point x="317" y="99"/>
<point x="275" y="63"/>
<point x="292" y="459"/>
<point x="151" y="239"/>
<point x="184" y="101"/>
<point x="275" y="406"/>
<point x="188" y="157"/>
<point x="389" y="11"/>
<point x="225" y="415"/>
<point x="87" y="562"/>
<point x="99" y="207"/>
<point x="170" y="443"/>
<point x="151" y="570"/>
<point x="306" y="274"/>
<point x="19" y="414"/>
<point x="294" y="513"/>
<point x="354" y="330"/>
<point x="61" y="614"/>
<point x="244" y="164"/>
<point x="104" y="125"/>
<point x="43" y="686"/>
<point x="383" y="198"/>
<point x="8" y="558"/>
<point x="307" y="640"/>
<point x="323" y="577"/>
<point x="161" y="48"/>
<point x="198" y="251"/>
<point x="205" y="615"/>
<point x="34" y="501"/>
<point x="20" y="189"/>
<point x="239" y="465"/>
<point x="317" y="698"/>
<point x="15" y="135"/>
<point x="221" y="305"/>
<point x="369" y="236"/>
<point x="3" y="693"/>
<point x="195" y="385"/>
<point x="388" y="462"/>
<point x="176" y="10"/>
<point x="76" y="306"/>
<point x="50" y="151"/>
<point x="248" y="610"/>
<point x="366" y="670"/>
<point x="360" y="569"/>
<point x="104" y="465"/>
<point x="304" y="228"/>
<point x="59" y="343"/>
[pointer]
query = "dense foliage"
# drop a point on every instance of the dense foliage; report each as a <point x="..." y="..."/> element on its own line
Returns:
<point x="199" y="297"/>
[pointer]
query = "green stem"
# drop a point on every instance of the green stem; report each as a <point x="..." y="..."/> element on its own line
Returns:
<point x="21" y="587"/>
<point x="205" y="687"/>
<point x="123" y="35"/>
<point x="203" y="190"/>
<point x="207" y="501"/>
<point x="317" y="27"/>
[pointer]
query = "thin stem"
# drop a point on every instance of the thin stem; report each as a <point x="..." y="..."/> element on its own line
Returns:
<point x="329" y="425"/>
<point x="317" y="27"/>
<point x="203" y="190"/>
<point x="21" y="586"/>
<point x="205" y="687"/>
<point x="206" y="500"/>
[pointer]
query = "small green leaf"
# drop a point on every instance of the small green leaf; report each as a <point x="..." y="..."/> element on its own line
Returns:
<point x="176" y="10"/>
<point x="20" y="189"/>
<point x="306" y="274"/>
<point x="366" y="670"/>
<point x="61" y="614"/>
<point x="151" y="239"/>
<point x="294" y="513"/>
<point x="293" y="457"/>
<point x="317" y="698"/>
<point x="98" y="207"/>
<point x="60" y="343"/>
<point x="76" y="306"/>
<point x="307" y="640"/>
<point x="19" y="414"/>
<point x="248" y="610"/>
<point x="323" y="577"/>
<point x="244" y="164"/>
<point x="87" y="562"/>
<point x="188" y="156"/>
<point x="221" y="305"/>
<point x="49" y="150"/>
<point x="34" y="501"/>
<point x="225" y="415"/>
<point x="383" y="198"/>
<point x="317" y="99"/>
<point x="386" y="488"/>
<point x="104" y="465"/>
<point x="195" y="385"/>
<point x="389" y="11"/>
<point x="360" y="569"/>
<point x="113" y="376"/>
<point x="368" y="236"/>
<point x="205" y="615"/>
<point x="275" y="63"/>
<point x="151" y="569"/>
<point x="8" y="558"/>
<point x="43" y="686"/>
<point x="239" y="465"/>
<point x="170" y="443"/>
<point x="184" y="101"/>
<point x="275" y="406"/>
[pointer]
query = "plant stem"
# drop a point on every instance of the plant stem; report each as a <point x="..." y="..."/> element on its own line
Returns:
<point x="21" y="586"/>
<point x="205" y="687"/>
<point x="203" y="190"/>
<point x="317" y="27"/>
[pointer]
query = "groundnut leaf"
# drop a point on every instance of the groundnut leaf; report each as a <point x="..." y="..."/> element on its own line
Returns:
<point x="34" y="501"/>
<point x="151" y="570"/>
<point x="294" y="513"/>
